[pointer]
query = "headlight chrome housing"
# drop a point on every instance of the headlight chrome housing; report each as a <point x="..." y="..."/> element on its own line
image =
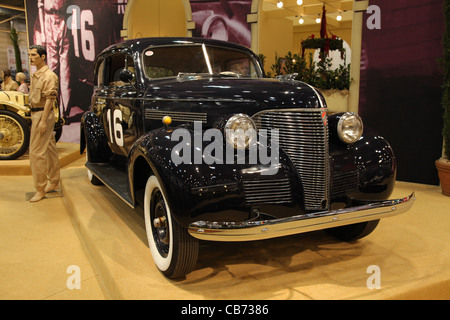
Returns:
<point x="240" y="131"/>
<point x="350" y="127"/>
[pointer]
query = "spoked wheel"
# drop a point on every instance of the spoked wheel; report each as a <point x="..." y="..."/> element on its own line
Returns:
<point x="14" y="135"/>
<point x="173" y="249"/>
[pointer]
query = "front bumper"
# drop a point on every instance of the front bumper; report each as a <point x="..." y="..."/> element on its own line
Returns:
<point x="266" y="229"/>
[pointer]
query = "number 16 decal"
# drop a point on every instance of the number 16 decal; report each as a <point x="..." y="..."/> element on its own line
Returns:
<point x="115" y="127"/>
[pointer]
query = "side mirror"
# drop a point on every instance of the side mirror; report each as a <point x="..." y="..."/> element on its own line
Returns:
<point x="126" y="75"/>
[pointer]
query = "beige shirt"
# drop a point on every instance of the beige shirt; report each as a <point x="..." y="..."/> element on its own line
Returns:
<point x="10" y="86"/>
<point x="44" y="85"/>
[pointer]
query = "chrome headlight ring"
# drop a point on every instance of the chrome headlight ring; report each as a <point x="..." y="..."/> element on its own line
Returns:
<point x="350" y="127"/>
<point x="240" y="131"/>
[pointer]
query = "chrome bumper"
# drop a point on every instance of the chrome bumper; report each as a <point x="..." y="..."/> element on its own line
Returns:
<point x="259" y="230"/>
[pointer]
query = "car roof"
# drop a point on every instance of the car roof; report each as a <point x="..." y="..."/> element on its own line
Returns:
<point x="140" y="44"/>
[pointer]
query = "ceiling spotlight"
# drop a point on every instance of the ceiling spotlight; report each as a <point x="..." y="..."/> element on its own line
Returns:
<point x="299" y="2"/>
<point x="301" y="21"/>
<point x="280" y="4"/>
<point x="339" y="17"/>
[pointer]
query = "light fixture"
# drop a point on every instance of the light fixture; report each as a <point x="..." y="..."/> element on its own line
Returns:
<point x="280" y="4"/>
<point x="318" y="20"/>
<point x="299" y="2"/>
<point x="301" y="21"/>
<point x="339" y="17"/>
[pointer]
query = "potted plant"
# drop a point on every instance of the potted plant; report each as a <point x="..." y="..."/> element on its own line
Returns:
<point x="443" y="164"/>
<point x="15" y="41"/>
<point x="333" y="84"/>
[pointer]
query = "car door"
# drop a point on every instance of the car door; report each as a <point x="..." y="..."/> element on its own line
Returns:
<point x="118" y="104"/>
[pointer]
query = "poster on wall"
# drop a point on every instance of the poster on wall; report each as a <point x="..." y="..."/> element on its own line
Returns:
<point x="223" y="20"/>
<point x="74" y="32"/>
<point x="11" y="56"/>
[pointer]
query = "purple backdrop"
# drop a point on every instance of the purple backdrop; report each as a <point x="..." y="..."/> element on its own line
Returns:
<point x="401" y="81"/>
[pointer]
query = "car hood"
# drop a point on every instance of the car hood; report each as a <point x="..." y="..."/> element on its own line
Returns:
<point x="260" y="93"/>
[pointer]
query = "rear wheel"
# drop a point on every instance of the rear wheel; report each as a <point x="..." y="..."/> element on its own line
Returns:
<point x="173" y="249"/>
<point x="14" y="135"/>
<point x="355" y="231"/>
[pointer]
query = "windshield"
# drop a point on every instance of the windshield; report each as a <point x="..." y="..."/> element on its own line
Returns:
<point x="161" y="62"/>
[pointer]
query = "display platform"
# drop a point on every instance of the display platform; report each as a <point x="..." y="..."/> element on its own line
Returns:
<point x="406" y="257"/>
<point x="68" y="152"/>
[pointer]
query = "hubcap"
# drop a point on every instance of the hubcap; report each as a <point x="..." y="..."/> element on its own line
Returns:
<point x="11" y="135"/>
<point x="160" y="226"/>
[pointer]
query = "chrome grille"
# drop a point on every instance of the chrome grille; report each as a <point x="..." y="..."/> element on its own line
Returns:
<point x="267" y="191"/>
<point x="344" y="183"/>
<point x="303" y="135"/>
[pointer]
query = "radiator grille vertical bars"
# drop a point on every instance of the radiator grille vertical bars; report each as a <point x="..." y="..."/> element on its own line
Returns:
<point x="303" y="135"/>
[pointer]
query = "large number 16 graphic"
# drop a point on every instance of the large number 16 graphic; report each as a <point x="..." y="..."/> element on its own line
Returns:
<point x="115" y="126"/>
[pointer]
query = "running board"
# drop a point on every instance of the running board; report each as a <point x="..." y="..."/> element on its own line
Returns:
<point x="113" y="178"/>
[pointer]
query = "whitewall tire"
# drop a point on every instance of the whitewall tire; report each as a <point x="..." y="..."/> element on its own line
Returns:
<point x="174" y="251"/>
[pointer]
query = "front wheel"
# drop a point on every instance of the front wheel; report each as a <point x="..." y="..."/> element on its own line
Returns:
<point x="14" y="135"/>
<point x="355" y="231"/>
<point x="173" y="249"/>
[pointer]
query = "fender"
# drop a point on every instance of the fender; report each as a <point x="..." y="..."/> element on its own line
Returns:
<point x="14" y="101"/>
<point x="371" y="157"/>
<point x="199" y="191"/>
<point x="377" y="167"/>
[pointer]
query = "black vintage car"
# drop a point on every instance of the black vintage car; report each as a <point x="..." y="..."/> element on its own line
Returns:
<point x="192" y="131"/>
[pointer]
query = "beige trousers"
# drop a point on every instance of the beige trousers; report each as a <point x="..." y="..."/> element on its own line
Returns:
<point x="44" y="158"/>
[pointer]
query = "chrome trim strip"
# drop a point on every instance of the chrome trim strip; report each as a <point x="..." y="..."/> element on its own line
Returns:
<point x="151" y="114"/>
<point x="193" y="99"/>
<point x="259" y="230"/>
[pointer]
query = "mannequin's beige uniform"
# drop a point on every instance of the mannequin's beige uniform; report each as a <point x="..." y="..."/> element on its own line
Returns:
<point x="44" y="159"/>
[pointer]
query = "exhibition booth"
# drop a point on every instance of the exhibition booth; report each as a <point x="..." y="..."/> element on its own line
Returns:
<point x="87" y="241"/>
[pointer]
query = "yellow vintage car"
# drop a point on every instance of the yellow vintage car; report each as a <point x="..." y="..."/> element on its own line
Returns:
<point x="15" y="124"/>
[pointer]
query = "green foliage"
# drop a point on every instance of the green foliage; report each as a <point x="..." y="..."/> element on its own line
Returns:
<point x="15" y="42"/>
<point x="320" y="43"/>
<point x="318" y="74"/>
<point x="446" y="84"/>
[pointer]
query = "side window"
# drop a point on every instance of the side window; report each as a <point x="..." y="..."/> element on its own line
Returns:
<point x="100" y="73"/>
<point x="115" y="64"/>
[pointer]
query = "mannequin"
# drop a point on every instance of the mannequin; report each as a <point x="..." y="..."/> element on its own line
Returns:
<point x="44" y="159"/>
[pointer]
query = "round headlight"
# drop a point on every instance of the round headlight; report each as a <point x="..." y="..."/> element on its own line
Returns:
<point x="240" y="131"/>
<point x="350" y="127"/>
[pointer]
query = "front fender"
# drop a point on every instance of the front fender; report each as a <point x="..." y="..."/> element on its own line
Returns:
<point x="227" y="191"/>
<point x="14" y="101"/>
<point x="368" y="166"/>
<point x="377" y="167"/>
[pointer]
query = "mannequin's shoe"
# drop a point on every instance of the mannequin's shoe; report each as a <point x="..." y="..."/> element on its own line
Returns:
<point x="38" y="196"/>
<point x="51" y="187"/>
